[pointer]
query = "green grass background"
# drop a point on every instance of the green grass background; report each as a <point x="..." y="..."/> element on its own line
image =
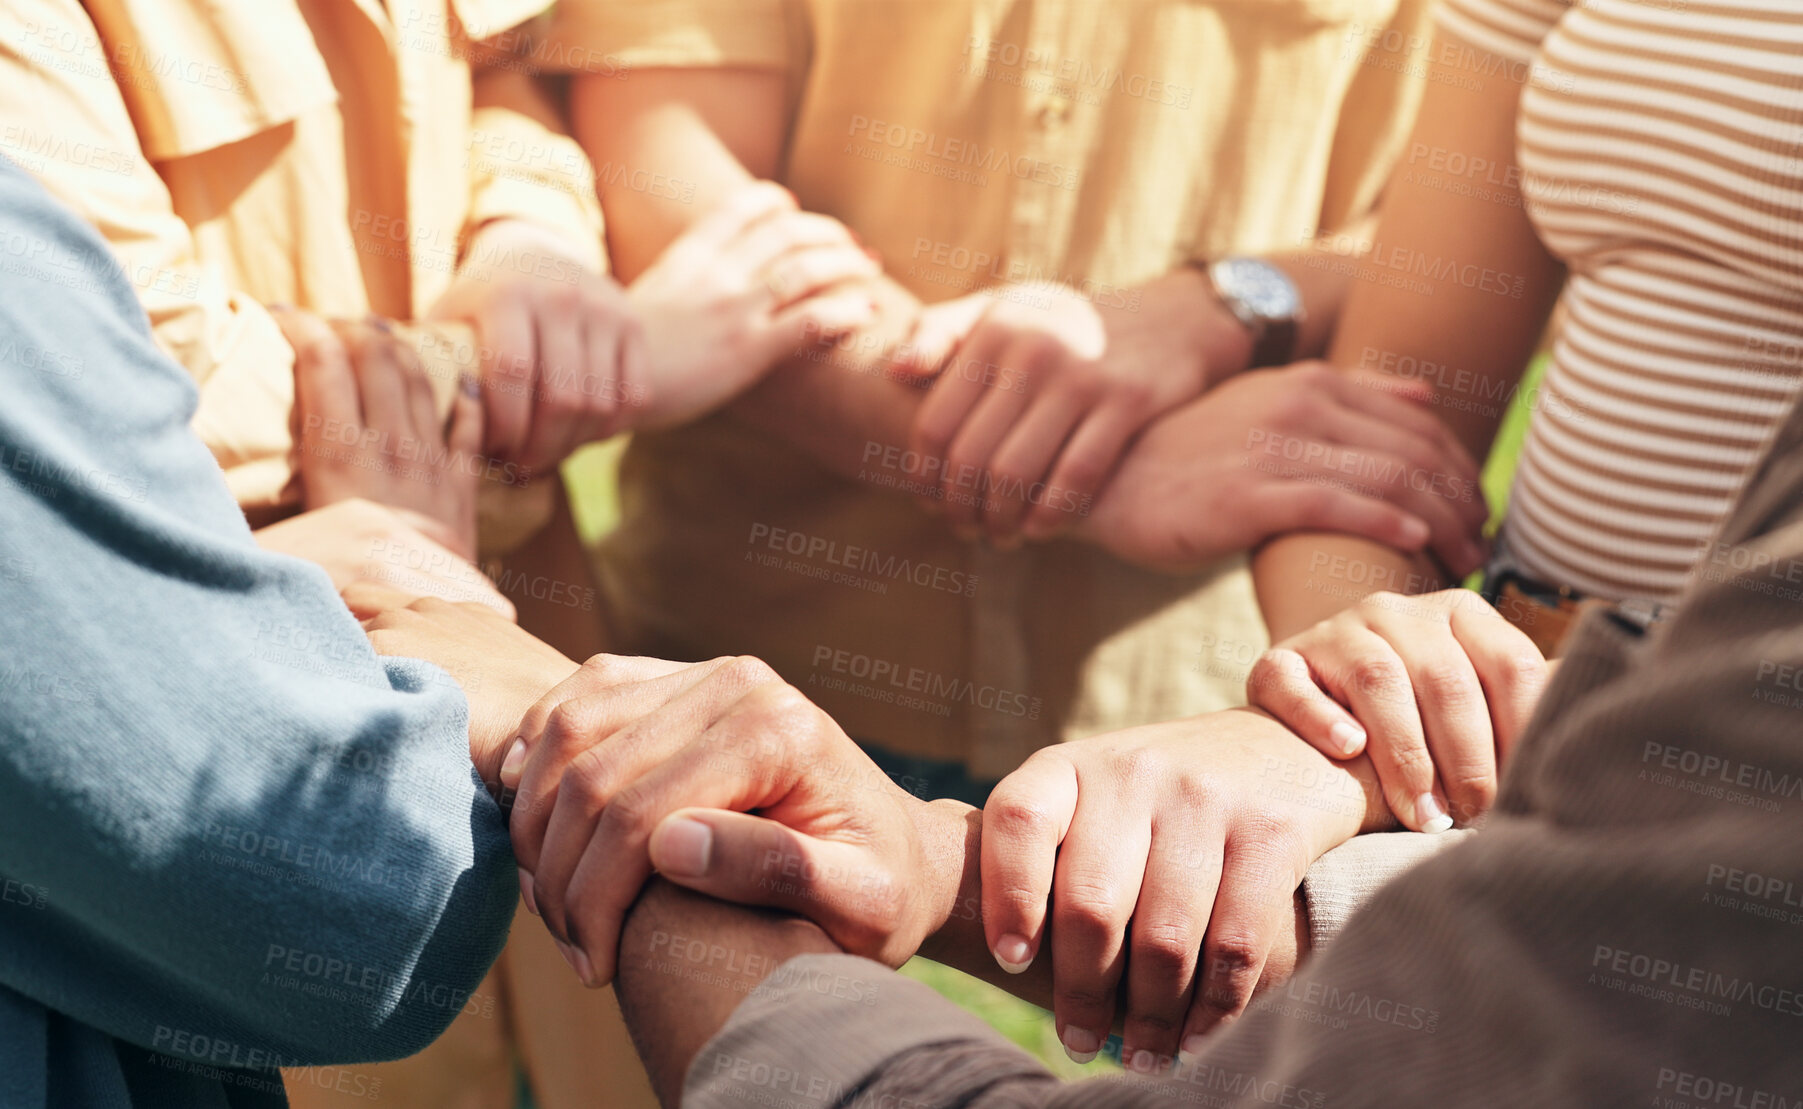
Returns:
<point x="591" y="473"/>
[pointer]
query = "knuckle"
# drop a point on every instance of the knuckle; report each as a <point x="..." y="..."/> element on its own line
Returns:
<point x="1380" y="678"/>
<point x="1167" y="948"/>
<point x="1086" y="911"/>
<point x="627" y="815"/>
<point x="1018" y="816"/>
<point x="745" y="671"/>
<point x="1451" y="687"/>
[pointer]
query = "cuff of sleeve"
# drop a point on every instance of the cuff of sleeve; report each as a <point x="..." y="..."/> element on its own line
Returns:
<point x="647" y="34"/>
<point x="1344" y="878"/>
<point x="822" y="1026"/>
<point x="521" y="170"/>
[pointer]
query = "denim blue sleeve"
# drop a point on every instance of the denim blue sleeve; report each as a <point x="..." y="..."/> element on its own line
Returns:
<point x="228" y="830"/>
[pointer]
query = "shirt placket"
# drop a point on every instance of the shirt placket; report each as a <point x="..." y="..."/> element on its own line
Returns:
<point x="1002" y="658"/>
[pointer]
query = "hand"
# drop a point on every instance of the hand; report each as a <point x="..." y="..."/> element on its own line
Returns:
<point x="1043" y="390"/>
<point x="1304" y="447"/>
<point x="744" y="289"/>
<point x="1441" y="684"/>
<point x="636" y="763"/>
<point x="1156" y="846"/>
<point x="361" y="541"/>
<point x="369" y="427"/>
<point x="563" y="354"/>
<point x="502" y="669"/>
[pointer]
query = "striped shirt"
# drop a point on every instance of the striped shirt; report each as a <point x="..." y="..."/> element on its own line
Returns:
<point x="1661" y="152"/>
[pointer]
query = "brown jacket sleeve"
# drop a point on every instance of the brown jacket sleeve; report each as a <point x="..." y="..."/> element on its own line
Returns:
<point x="1627" y="930"/>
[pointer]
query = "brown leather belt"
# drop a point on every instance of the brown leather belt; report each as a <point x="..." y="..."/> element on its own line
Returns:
<point x="1547" y="613"/>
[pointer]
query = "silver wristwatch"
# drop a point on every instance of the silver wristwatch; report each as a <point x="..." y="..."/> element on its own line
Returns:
<point x="1262" y="297"/>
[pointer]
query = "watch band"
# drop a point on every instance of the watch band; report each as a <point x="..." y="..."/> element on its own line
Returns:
<point x="1274" y="343"/>
<point x="1274" y="337"/>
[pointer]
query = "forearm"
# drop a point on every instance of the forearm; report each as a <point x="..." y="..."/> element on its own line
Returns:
<point x="1305" y="577"/>
<point x="670" y="145"/>
<point x="674" y="1003"/>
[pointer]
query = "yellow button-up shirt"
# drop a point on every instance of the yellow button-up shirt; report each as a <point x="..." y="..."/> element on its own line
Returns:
<point x="1097" y="143"/>
<point x="319" y="153"/>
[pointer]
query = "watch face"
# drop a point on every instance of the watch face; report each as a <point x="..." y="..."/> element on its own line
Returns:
<point x="1263" y="288"/>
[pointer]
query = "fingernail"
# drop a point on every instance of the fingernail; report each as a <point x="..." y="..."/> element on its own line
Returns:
<point x="1415" y="532"/>
<point x="685" y="848"/>
<point x="1430" y="815"/>
<point x="1192" y="1046"/>
<point x="1080" y="1044"/>
<point x="1014" y="953"/>
<point x="1143" y="1062"/>
<point x="569" y="955"/>
<point x="584" y="969"/>
<point x="526" y="891"/>
<point x="514" y="763"/>
<point x="470" y="386"/>
<point x="1348" y="737"/>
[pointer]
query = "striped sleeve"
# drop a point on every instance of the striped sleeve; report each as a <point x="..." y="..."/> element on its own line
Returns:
<point x="1509" y="29"/>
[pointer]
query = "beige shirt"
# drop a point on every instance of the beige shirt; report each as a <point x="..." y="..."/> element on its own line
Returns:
<point x="974" y="142"/>
<point x="319" y="153"/>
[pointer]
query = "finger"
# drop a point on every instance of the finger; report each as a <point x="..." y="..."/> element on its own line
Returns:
<point x="1356" y="429"/>
<point x="1024" y="821"/>
<point x="1363" y="671"/>
<point x="633" y="357"/>
<point x="1454" y="714"/>
<point x="1390" y="400"/>
<point x="617" y="859"/>
<point x="708" y="238"/>
<point x="1083" y="468"/>
<point x="970" y="461"/>
<point x="804" y="273"/>
<point x="509" y="354"/>
<point x="1097" y="883"/>
<point x="942" y="415"/>
<point x="1256" y="898"/>
<point x="1511" y="668"/>
<point x="1378" y="473"/>
<point x="1027" y="452"/>
<point x="1290" y="505"/>
<point x="598" y="675"/>
<point x="1281" y="684"/>
<point x="464" y="437"/>
<point x="811" y="322"/>
<point x="422" y="410"/>
<point x="761" y="243"/>
<point x="563" y="379"/>
<point x="367" y="599"/>
<point x="752" y="860"/>
<point x="626" y="719"/>
<point x="325" y="386"/>
<point x="941" y="329"/>
<point x="381" y="383"/>
<point x="1182" y="874"/>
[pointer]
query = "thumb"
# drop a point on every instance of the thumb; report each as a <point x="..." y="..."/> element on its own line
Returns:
<point x="752" y="860"/>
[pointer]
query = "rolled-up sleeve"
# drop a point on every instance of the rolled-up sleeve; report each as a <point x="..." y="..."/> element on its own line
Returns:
<point x="680" y="34"/>
<point x="64" y="120"/>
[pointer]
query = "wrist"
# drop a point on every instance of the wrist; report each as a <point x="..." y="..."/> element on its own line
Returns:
<point x="951" y="838"/>
<point x="1222" y="341"/>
